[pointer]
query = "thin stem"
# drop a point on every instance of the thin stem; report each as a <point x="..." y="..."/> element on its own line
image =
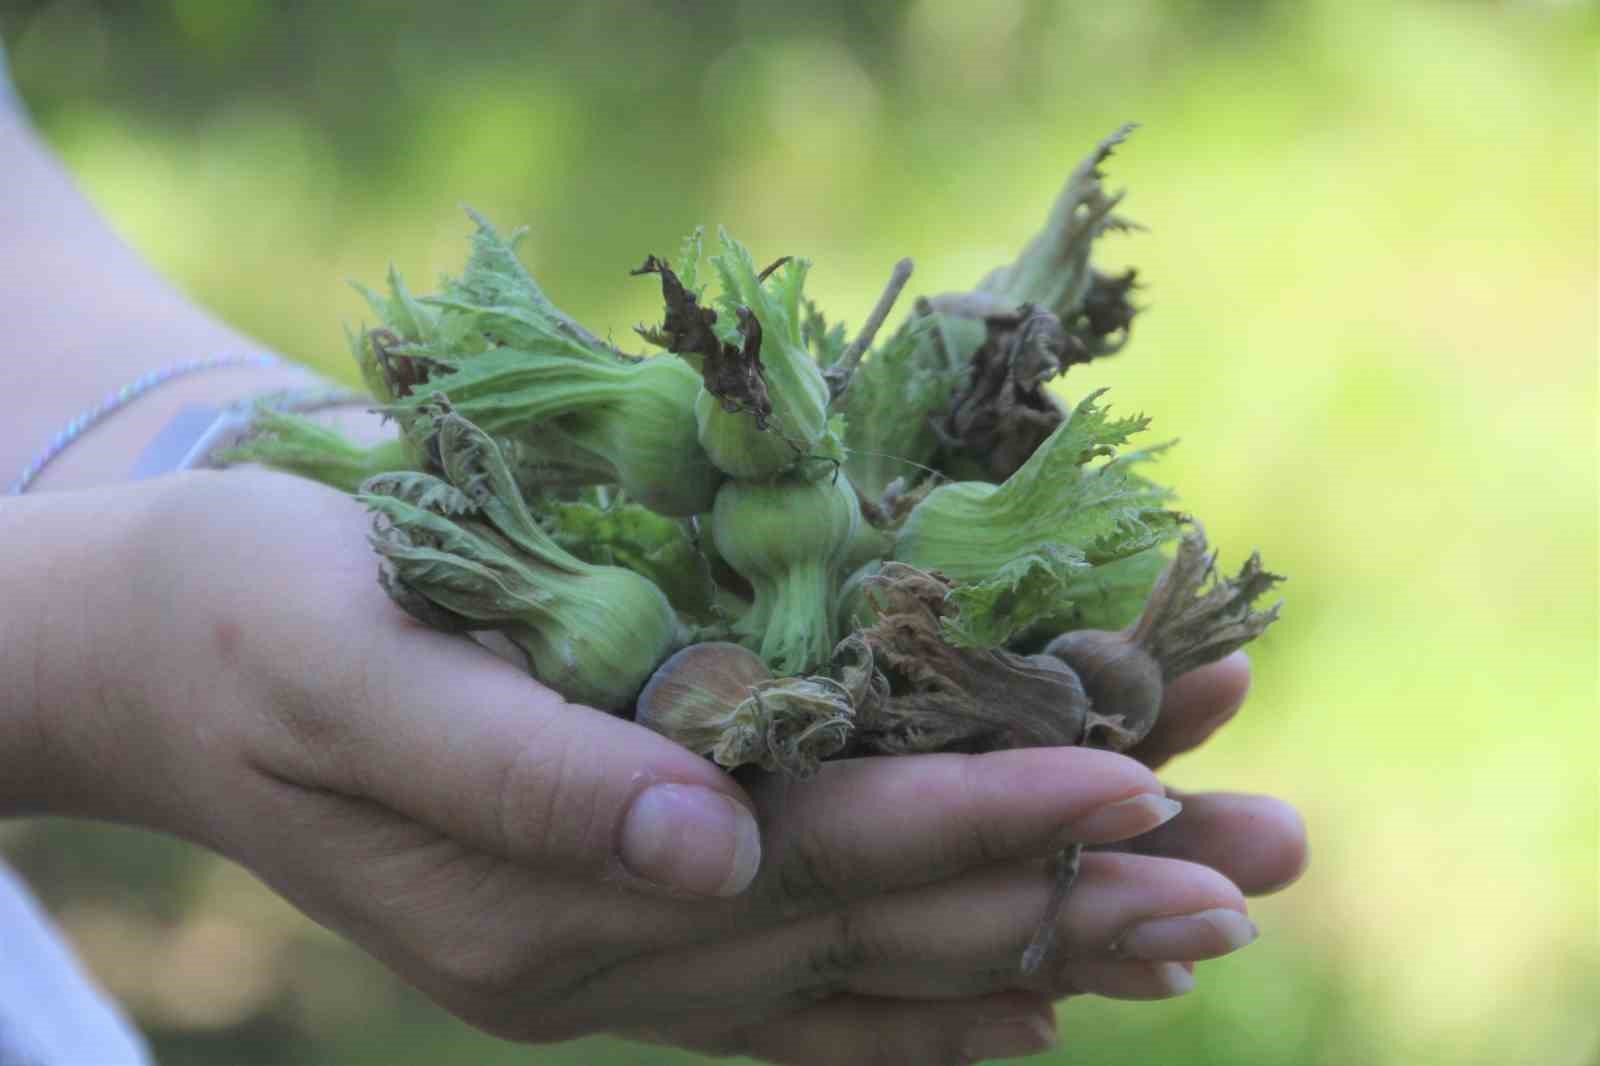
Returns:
<point x="773" y="267"/>
<point x="923" y="308"/>
<point x="840" y="373"/>
<point x="1044" y="934"/>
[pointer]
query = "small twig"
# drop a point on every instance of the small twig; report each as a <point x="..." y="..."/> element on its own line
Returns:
<point x="839" y="373"/>
<point x="1044" y="935"/>
<point x="923" y="308"/>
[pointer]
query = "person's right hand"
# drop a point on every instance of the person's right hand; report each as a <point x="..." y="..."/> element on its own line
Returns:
<point x="547" y="871"/>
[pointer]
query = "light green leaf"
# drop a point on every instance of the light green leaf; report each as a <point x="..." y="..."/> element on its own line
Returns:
<point x="1024" y="591"/>
<point x="300" y="445"/>
<point x="1053" y="270"/>
<point x="1019" y="551"/>
<point x="474" y="464"/>
<point x="630" y="535"/>
<point x="826" y="343"/>
<point x="889" y="408"/>
<point x="687" y="265"/>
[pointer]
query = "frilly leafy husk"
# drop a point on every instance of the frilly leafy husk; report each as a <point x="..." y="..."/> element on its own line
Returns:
<point x="826" y="343"/>
<point x="1001" y="413"/>
<point x="890" y="409"/>
<point x="667" y="551"/>
<point x="1109" y="596"/>
<point x="1101" y="326"/>
<point x="495" y="278"/>
<point x="1015" y="550"/>
<point x="972" y="365"/>
<point x="730" y="371"/>
<point x="1186" y="624"/>
<point x="720" y="700"/>
<point x="463" y="552"/>
<point x="789" y="725"/>
<point x="303" y="446"/>
<point x="764" y="406"/>
<point x="1053" y="270"/>
<point x="495" y="303"/>
<point x="916" y="692"/>
<point x="581" y="412"/>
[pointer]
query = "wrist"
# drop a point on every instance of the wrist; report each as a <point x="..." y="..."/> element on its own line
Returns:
<point x="118" y="696"/>
<point x="56" y="556"/>
<point x="67" y="738"/>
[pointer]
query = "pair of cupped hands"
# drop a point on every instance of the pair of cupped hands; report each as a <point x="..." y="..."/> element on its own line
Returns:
<point x="546" y="871"/>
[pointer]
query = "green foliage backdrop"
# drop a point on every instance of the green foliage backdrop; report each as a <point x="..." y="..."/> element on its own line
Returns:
<point x="1370" y="267"/>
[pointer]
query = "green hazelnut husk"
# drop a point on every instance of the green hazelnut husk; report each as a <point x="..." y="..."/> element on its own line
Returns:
<point x="789" y="539"/>
<point x="465" y="550"/>
<point x="1184" y="625"/>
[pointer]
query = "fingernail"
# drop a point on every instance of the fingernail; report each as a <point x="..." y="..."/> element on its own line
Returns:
<point x="1187" y="937"/>
<point x="1010" y="1038"/>
<point x="1178" y="979"/>
<point x="691" y="839"/>
<point x="1122" y="819"/>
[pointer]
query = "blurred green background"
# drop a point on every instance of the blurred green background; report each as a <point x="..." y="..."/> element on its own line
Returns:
<point x="1370" y="268"/>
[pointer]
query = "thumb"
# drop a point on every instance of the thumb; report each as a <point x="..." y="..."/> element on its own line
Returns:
<point x="454" y="737"/>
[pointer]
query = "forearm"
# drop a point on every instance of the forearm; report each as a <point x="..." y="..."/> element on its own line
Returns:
<point x="88" y="316"/>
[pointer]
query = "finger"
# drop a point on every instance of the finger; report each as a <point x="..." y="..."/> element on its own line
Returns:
<point x="954" y="940"/>
<point x="441" y="730"/>
<point x="493" y="942"/>
<point x="513" y="955"/>
<point x="1126" y="980"/>
<point x="1118" y="913"/>
<point x="1193" y="707"/>
<point x="867" y="1030"/>
<point x="1257" y="842"/>
<point x="868" y="826"/>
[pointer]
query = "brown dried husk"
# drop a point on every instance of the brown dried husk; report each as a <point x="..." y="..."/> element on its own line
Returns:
<point x="915" y="692"/>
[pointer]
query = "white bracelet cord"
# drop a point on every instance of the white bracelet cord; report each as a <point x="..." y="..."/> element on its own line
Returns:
<point x="120" y="399"/>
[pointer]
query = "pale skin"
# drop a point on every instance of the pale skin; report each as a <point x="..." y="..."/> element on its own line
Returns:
<point x="210" y="655"/>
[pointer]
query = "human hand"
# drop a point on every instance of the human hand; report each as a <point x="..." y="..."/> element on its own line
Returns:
<point x="546" y="871"/>
<point x="1142" y="912"/>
